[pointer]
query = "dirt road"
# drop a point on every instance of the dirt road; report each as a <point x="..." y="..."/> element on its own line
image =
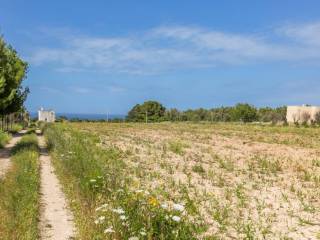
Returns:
<point x="5" y="153"/>
<point x="56" y="221"/>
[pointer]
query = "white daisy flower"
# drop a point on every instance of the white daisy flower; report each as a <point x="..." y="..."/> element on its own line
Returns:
<point x="109" y="230"/>
<point x="176" y="218"/>
<point x="178" y="207"/>
<point x="133" y="238"/>
<point x="118" y="210"/>
<point x="164" y="205"/>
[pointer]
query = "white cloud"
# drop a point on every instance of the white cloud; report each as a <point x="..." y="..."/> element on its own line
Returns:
<point x="167" y="48"/>
<point x="308" y="34"/>
<point x="213" y="40"/>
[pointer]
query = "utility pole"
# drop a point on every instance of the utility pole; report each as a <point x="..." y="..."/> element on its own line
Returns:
<point x="146" y="116"/>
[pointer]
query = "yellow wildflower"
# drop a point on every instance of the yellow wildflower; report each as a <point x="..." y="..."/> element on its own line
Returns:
<point x="153" y="201"/>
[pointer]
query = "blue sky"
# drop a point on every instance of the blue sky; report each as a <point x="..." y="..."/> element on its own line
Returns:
<point x="106" y="56"/>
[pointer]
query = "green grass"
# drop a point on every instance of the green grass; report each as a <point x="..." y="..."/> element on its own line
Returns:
<point x="19" y="193"/>
<point x="198" y="168"/>
<point x="221" y="214"/>
<point x="16" y="128"/>
<point x="4" y="139"/>
<point x="269" y="166"/>
<point x="105" y="200"/>
<point x="177" y="147"/>
<point x="226" y="164"/>
<point x="316" y="162"/>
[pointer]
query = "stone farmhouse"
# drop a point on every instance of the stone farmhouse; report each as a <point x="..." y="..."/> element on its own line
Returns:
<point x="300" y="114"/>
<point x="46" y="115"/>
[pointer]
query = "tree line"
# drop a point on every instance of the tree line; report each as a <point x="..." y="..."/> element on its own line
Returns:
<point x="13" y="71"/>
<point x="153" y="111"/>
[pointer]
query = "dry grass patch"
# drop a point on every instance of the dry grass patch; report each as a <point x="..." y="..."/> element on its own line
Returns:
<point x="243" y="181"/>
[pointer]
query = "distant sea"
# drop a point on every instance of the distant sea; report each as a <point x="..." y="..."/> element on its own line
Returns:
<point x="84" y="116"/>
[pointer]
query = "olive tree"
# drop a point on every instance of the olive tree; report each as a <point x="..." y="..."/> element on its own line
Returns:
<point x="244" y="112"/>
<point x="150" y="111"/>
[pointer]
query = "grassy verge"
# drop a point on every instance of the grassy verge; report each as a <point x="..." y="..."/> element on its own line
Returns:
<point x="19" y="192"/>
<point x="15" y="128"/>
<point x="107" y="202"/>
<point x="4" y="139"/>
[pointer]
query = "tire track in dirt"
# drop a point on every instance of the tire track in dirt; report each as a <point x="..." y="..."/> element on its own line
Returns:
<point x="6" y="152"/>
<point x="56" y="220"/>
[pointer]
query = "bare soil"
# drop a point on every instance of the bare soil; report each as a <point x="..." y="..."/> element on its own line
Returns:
<point x="56" y="220"/>
<point x="5" y="153"/>
<point x="246" y="185"/>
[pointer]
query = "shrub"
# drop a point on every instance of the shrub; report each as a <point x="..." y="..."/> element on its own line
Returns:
<point x="4" y="139"/>
<point x="16" y="128"/>
<point x="244" y="112"/>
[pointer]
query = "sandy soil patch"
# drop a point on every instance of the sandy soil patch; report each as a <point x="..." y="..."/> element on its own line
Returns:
<point x="243" y="187"/>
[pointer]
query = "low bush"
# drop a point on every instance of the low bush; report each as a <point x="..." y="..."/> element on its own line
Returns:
<point x="15" y="128"/>
<point x="4" y="139"/>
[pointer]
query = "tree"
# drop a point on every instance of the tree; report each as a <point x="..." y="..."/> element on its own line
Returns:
<point x="12" y="72"/>
<point x="221" y="114"/>
<point x="16" y="105"/>
<point x="273" y="115"/>
<point x="281" y="113"/>
<point x="244" y="112"/>
<point x="172" y="114"/>
<point x="135" y="114"/>
<point x="265" y="114"/>
<point x="151" y="111"/>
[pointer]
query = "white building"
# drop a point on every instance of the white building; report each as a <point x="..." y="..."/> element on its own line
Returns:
<point x="304" y="113"/>
<point x="46" y="115"/>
